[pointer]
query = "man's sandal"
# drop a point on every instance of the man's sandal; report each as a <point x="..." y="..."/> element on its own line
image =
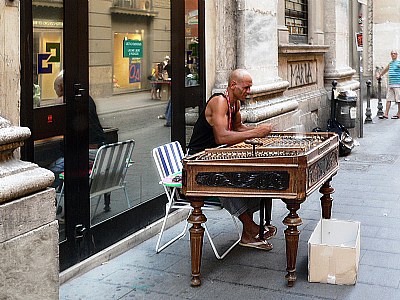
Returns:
<point x="269" y="231"/>
<point x="262" y="245"/>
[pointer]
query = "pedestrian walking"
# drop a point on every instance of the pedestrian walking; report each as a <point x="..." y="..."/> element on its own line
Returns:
<point x="393" y="91"/>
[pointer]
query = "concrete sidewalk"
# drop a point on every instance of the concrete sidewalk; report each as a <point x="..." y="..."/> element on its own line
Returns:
<point x="366" y="189"/>
<point x="124" y="102"/>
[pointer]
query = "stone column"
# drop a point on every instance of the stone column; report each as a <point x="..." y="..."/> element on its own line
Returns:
<point x="225" y="41"/>
<point x="9" y="60"/>
<point x="246" y="36"/>
<point x="257" y="51"/>
<point x="336" y="17"/>
<point x="257" y="40"/>
<point x="316" y="22"/>
<point x="28" y="229"/>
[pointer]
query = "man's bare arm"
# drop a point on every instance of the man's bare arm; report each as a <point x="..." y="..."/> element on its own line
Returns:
<point x="383" y="72"/>
<point x="216" y="114"/>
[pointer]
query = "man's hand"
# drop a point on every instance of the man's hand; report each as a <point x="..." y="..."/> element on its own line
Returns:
<point x="263" y="130"/>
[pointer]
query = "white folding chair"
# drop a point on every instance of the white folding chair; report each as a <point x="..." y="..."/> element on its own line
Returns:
<point x="168" y="159"/>
<point x="109" y="170"/>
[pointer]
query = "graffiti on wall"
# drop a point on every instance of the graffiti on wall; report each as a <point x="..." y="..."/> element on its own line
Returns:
<point x="302" y="73"/>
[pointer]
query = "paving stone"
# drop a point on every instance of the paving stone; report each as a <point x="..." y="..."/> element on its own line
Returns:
<point x="381" y="259"/>
<point x="379" y="276"/>
<point x="363" y="291"/>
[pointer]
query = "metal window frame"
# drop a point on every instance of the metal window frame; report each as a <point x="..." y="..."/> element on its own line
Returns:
<point x="292" y="12"/>
<point x="182" y="96"/>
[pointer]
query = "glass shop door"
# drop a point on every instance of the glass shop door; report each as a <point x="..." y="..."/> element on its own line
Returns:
<point x="189" y="99"/>
<point x="54" y="105"/>
<point x="83" y="56"/>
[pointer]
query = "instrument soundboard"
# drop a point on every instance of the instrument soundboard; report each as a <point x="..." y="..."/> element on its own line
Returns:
<point x="277" y="144"/>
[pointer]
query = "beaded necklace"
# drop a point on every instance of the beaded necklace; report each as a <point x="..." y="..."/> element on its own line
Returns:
<point x="231" y="110"/>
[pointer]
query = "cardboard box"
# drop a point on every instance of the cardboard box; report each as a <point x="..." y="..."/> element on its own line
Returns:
<point x="334" y="252"/>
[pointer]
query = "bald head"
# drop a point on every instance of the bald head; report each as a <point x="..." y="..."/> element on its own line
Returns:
<point x="239" y="84"/>
<point x="393" y="54"/>
<point x="59" y="85"/>
<point x="238" y="76"/>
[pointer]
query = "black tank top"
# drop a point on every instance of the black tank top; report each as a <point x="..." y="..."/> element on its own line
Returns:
<point x="203" y="134"/>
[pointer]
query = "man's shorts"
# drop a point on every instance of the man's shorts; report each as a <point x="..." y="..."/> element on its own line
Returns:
<point x="393" y="94"/>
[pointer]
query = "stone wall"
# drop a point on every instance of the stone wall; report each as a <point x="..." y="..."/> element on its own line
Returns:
<point x="291" y="82"/>
<point x="303" y="67"/>
<point x="100" y="49"/>
<point x="9" y="61"/>
<point x="29" y="248"/>
<point x="28" y="229"/>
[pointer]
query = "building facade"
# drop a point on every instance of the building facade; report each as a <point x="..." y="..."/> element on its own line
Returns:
<point x="110" y="20"/>
<point x="293" y="49"/>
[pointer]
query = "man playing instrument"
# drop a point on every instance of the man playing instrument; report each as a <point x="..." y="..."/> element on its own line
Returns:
<point x="220" y="123"/>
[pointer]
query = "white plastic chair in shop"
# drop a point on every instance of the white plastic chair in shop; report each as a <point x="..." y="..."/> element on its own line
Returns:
<point x="168" y="159"/>
<point x="108" y="171"/>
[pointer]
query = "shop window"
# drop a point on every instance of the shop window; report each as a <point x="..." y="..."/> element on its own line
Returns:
<point x="128" y="64"/>
<point x="47" y="51"/>
<point x="296" y="20"/>
<point x="192" y="43"/>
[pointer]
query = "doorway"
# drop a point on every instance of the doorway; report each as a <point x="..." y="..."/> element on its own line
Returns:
<point x="84" y="44"/>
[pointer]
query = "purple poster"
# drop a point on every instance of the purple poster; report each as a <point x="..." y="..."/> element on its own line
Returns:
<point x="134" y="72"/>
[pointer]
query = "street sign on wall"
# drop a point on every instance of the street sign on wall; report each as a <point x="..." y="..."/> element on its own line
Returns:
<point x="359" y="41"/>
<point x="133" y="48"/>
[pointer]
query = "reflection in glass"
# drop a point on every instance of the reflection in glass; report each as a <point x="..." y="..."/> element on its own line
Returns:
<point x="127" y="39"/>
<point x="127" y="67"/>
<point x="126" y="62"/>
<point x="192" y="63"/>
<point x="192" y="43"/>
<point x="49" y="112"/>
<point x="47" y="50"/>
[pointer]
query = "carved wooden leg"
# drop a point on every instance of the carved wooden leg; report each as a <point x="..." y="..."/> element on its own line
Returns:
<point x="262" y="219"/>
<point x="196" y="238"/>
<point x="265" y="215"/>
<point x="292" y="220"/>
<point x="326" y="200"/>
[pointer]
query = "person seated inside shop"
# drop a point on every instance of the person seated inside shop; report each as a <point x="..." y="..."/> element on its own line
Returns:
<point x="59" y="88"/>
<point x="96" y="139"/>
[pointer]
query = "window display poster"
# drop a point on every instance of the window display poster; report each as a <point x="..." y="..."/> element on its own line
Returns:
<point x="134" y="71"/>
